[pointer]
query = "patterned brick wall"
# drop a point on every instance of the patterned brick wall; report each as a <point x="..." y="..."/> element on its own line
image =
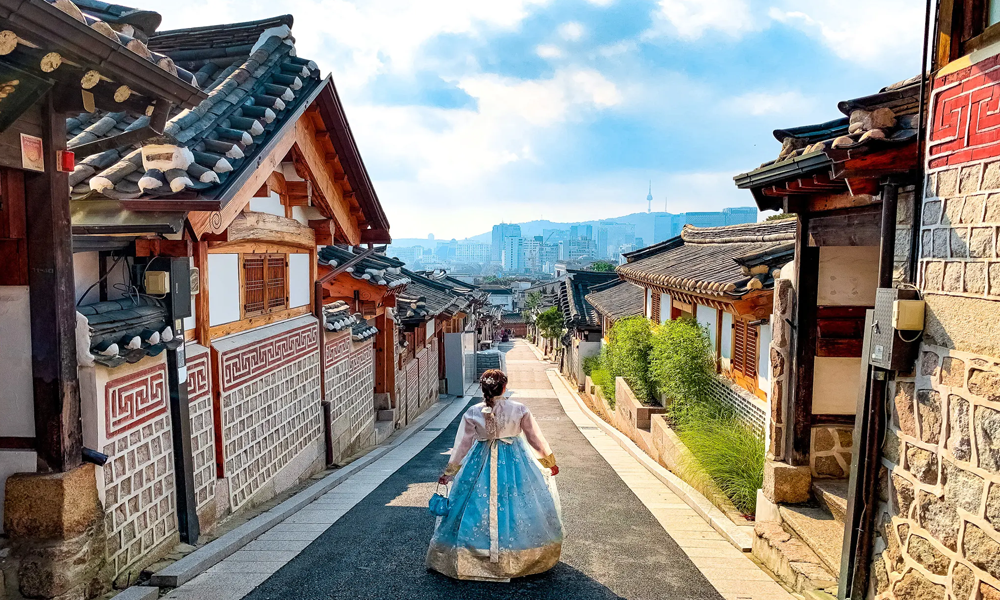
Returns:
<point x="336" y="371"/>
<point x="412" y="389"/>
<point x="270" y="396"/>
<point x="350" y="392"/>
<point x="139" y="476"/>
<point x="199" y="386"/>
<point x="360" y="397"/>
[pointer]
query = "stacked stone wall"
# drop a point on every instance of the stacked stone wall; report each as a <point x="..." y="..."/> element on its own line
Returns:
<point x="199" y="386"/>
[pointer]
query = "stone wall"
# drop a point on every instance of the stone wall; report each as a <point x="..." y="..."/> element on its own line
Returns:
<point x="939" y="527"/>
<point x="830" y="450"/>
<point x="269" y="393"/>
<point x="782" y="316"/>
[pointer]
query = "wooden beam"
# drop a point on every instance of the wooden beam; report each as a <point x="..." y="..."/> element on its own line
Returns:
<point x="218" y="221"/>
<point x="268" y="228"/>
<point x="825" y="202"/>
<point x="859" y="227"/>
<point x="201" y="319"/>
<point x="325" y="230"/>
<point x="298" y="193"/>
<point x="321" y="175"/>
<point x="171" y="248"/>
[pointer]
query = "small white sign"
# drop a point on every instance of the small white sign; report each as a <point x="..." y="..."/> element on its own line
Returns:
<point x="32" y="153"/>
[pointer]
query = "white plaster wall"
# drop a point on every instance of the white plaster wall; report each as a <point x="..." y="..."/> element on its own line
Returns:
<point x="86" y="272"/>
<point x="763" y="357"/>
<point x="649" y="303"/>
<point x="16" y="396"/>
<point x="270" y="205"/>
<point x="430" y="329"/>
<point x="835" y="385"/>
<point x="727" y="336"/>
<point x="848" y="275"/>
<point x="664" y="308"/>
<point x="303" y="214"/>
<point x="299" y="280"/>
<point x="708" y="317"/>
<point x="224" y="286"/>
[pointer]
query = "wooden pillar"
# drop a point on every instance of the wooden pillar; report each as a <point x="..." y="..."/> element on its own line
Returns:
<point x="804" y="354"/>
<point x="58" y="429"/>
<point x="201" y="313"/>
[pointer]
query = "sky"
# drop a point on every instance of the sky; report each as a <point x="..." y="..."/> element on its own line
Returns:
<point x="468" y="113"/>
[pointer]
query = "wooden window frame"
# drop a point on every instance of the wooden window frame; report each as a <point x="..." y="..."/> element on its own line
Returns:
<point x="654" y="313"/>
<point x="267" y="289"/>
<point x="744" y="377"/>
<point x="963" y="28"/>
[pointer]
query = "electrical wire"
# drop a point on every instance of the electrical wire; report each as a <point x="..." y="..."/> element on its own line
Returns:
<point x="113" y="265"/>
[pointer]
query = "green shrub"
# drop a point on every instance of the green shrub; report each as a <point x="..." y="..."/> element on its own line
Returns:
<point x="681" y="365"/>
<point x="729" y="452"/>
<point x="602" y="378"/>
<point x="590" y="363"/>
<point x="550" y="323"/>
<point x="627" y="355"/>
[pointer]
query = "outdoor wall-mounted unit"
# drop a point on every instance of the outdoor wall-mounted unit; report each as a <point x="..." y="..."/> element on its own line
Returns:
<point x="895" y="349"/>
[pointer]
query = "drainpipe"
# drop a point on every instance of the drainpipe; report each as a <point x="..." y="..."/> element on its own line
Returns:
<point x="918" y="191"/>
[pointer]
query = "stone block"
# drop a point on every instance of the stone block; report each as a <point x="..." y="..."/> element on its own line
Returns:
<point x="953" y="276"/>
<point x="993" y="505"/>
<point x="988" y="592"/>
<point x="138" y="592"/>
<point x="964" y="324"/>
<point x="51" y="505"/>
<point x="929" y="412"/>
<point x="987" y="424"/>
<point x="952" y="211"/>
<point x="975" y="277"/>
<point x="959" y="240"/>
<point x="981" y="242"/>
<point x="784" y="483"/>
<point x="822" y="439"/>
<point x="993" y="273"/>
<point x="941" y="237"/>
<point x="947" y="182"/>
<point x="981" y="550"/>
<point x="972" y="212"/>
<point x="922" y="463"/>
<point x="968" y="182"/>
<point x="991" y="176"/>
<point x="959" y="440"/>
<point x="934" y="275"/>
<point x="932" y="212"/>
<point x="939" y="516"/>
<point x="929" y="363"/>
<point x="991" y="214"/>
<point x="767" y="511"/>
<point x="914" y="586"/>
<point x="985" y="384"/>
<point x="924" y="552"/>
<point x="963" y="582"/>
<point x="961" y="487"/>
<point x="891" y="447"/>
<point x="953" y="371"/>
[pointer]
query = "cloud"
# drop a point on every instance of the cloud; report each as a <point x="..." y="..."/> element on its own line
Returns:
<point x="770" y="103"/>
<point x="571" y="31"/>
<point x="874" y="34"/>
<point x="601" y="2"/>
<point x="548" y="51"/>
<point x="691" y="19"/>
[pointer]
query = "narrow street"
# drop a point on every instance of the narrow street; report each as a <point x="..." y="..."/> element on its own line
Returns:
<point x="372" y="545"/>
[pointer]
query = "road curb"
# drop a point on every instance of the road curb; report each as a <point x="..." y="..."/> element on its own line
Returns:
<point x="217" y="550"/>
<point x="732" y="532"/>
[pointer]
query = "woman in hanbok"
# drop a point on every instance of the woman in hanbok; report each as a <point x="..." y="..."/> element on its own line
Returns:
<point x="504" y="517"/>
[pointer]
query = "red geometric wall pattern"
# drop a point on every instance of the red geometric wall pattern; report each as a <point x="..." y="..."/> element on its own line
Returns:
<point x="965" y="108"/>
<point x="244" y="364"/>
<point x="134" y="399"/>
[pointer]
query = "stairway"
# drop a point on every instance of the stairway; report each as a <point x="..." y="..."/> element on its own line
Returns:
<point x="486" y="361"/>
<point x="804" y="549"/>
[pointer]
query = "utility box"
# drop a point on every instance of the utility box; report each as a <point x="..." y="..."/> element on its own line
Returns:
<point x="895" y="335"/>
<point x="180" y="288"/>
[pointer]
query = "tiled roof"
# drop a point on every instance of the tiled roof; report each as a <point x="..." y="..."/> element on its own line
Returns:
<point x="337" y="316"/>
<point x="374" y="268"/>
<point x="716" y="260"/>
<point x="618" y="300"/>
<point x="575" y="285"/>
<point x="254" y="89"/>
<point x="127" y="330"/>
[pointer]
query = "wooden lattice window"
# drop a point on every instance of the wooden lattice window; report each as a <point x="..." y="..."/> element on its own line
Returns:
<point x="654" y="313"/>
<point x="265" y="284"/>
<point x="745" y="349"/>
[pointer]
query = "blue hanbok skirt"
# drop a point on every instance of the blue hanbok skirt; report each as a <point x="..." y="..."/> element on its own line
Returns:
<point x="504" y="519"/>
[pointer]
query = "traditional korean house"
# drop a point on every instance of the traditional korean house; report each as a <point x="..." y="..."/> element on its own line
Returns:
<point x="616" y="300"/>
<point x="206" y="379"/>
<point x="723" y="277"/>
<point x="57" y="59"/>
<point x="582" y="322"/>
<point x="850" y="184"/>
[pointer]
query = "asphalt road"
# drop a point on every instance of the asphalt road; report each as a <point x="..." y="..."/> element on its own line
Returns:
<point x="614" y="547"/>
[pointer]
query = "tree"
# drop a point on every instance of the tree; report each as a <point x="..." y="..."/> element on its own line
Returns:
<point x="602" y="266"/>
<point x="781" y="216"/>
<point x="550" y="323"/>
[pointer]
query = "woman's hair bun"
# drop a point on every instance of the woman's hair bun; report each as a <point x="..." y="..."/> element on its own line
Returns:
<point x="493" y="382"/>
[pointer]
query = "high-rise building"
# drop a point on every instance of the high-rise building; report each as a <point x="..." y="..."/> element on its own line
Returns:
<point x="531" y="254"/>
<point x="740" y="214"/>
<point x="575" y="249"/>
<point x="501" y="231"/>
<point x="662" y="227"/>
<point x="471" y="251"/>
<point x="512" y="254"/>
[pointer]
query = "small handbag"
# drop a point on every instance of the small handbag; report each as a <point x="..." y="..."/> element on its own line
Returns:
<point x="439" y="505"/>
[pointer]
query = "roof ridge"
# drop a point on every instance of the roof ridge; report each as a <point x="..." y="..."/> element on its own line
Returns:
<point x="764" y="231"/>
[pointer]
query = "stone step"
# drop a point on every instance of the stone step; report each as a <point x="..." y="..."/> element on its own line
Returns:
<point x="832" y="495"/>
<point x="388" y="414"/>
<point x="791" y="561"/>
<point x="383" y="429"/>
<point x="818" y="530"/>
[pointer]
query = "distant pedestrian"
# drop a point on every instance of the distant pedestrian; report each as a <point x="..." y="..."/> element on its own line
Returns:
<point x="504" y="517"/>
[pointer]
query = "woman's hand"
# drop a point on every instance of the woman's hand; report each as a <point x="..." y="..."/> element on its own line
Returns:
<point x="554" y="470"/>
<point x="445" y="479"/>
